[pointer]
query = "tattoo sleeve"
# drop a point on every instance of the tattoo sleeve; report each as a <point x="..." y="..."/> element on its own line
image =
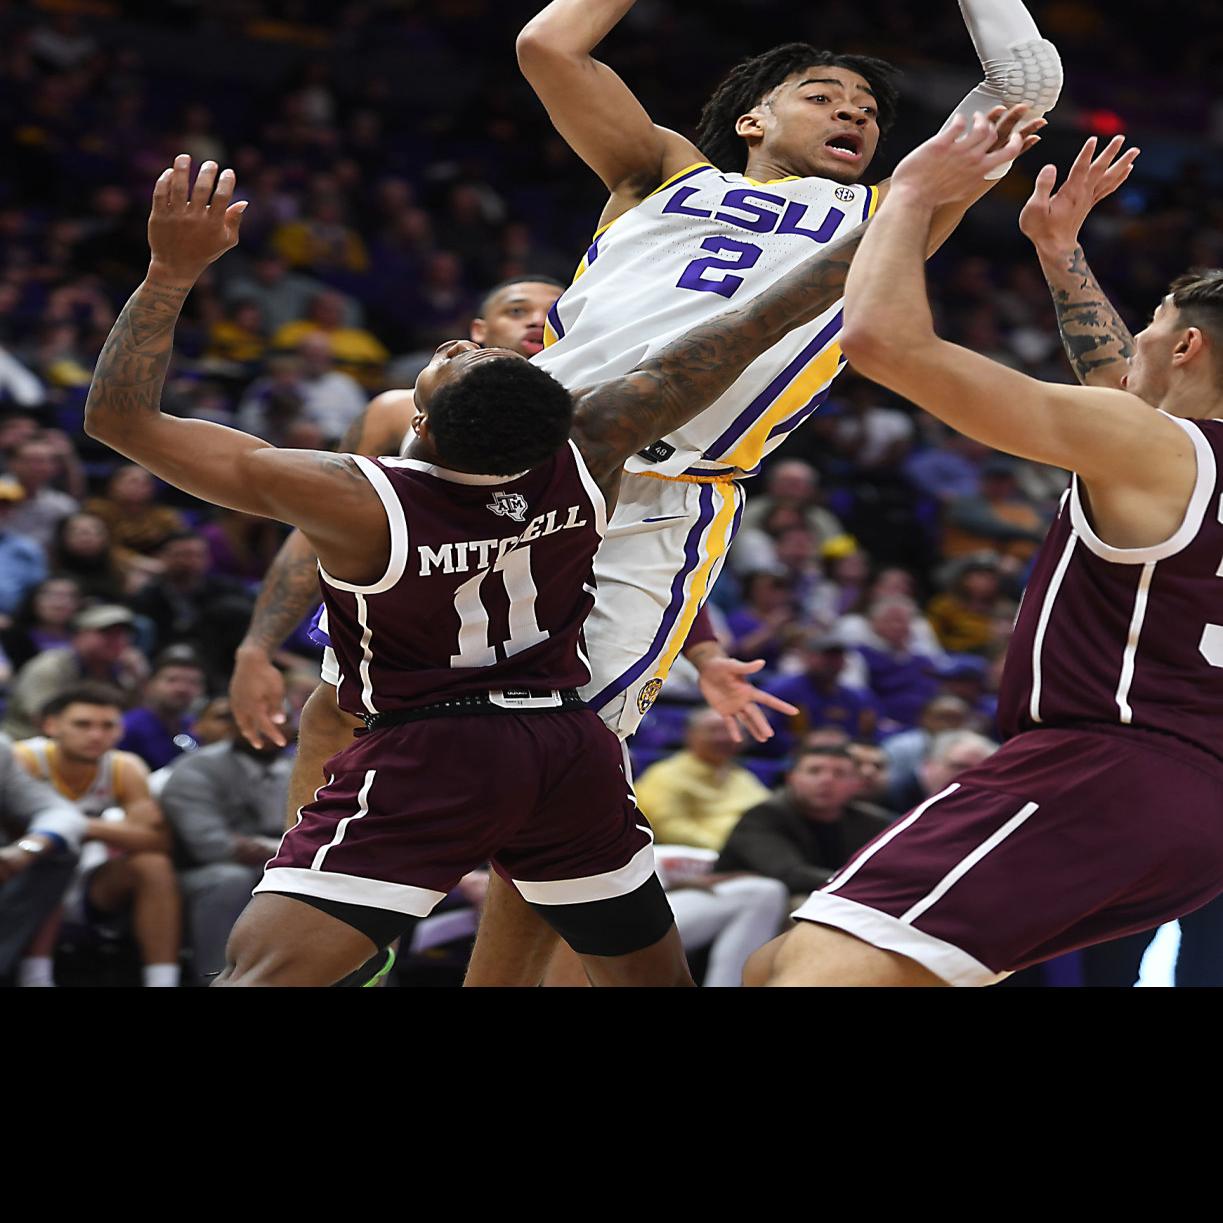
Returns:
<point x="618" y="418"/>
<point x="290" y="588"/>
<point x="132" y="366"/>
<point x="1097" y="342"/>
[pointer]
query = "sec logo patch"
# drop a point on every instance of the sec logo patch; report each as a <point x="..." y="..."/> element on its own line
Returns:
<point x="844" y="194"/>
<point x="648" y="695"/>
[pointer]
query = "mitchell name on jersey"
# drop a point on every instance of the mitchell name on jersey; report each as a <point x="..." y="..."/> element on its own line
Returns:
<point x="472" y="555"/>
<point x="704" y="241"/>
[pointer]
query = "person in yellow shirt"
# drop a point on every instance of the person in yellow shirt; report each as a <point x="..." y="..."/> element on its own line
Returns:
<point x="697" y="796"/>
<point x="355" y="351"/>
<point x="125" y="866"/>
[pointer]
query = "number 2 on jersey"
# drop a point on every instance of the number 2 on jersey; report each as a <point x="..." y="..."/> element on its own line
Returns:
<point x="727" y="255"/>
<point x="475" y="649"/>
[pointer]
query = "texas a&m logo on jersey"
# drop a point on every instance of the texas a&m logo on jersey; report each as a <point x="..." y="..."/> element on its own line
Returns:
<point x="509" y="505"/>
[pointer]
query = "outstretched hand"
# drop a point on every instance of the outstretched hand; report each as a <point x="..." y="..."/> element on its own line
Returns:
<point x="949" y="168"/>
<point x="726" y="688"/>
<point x="1052" y="220"/>
<point x="189" y="229"/>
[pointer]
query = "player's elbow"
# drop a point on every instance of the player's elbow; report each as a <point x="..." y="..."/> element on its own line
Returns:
<point x="538" y="44"/>
<point x="1033" y="76"/>
<point x="871" y="350"/>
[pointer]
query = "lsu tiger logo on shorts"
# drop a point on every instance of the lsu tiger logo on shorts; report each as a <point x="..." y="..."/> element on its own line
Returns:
<point x="509" y="505"/>
<point x="648" y="695"/>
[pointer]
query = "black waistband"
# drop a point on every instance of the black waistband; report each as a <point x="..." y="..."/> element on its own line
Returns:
<point x="505" y="700"/>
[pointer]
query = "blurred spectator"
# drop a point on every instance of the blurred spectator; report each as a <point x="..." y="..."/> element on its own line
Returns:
<point x="322" y="241"/>
<point x="855" y="628"/>
<point x="43" y="620"/>
<point x="697" y="796"/>
<point x="330" y="399"/>
<point x="354" y="350"/>
<point x="241" y="545"/>
<point x="159" y="728"/>
<point x="282" y="296"/>
<point x="871" y="761"/>
<point x="907" y="750"/>
<point x="794" y="484"/>
<point x="949" y="468"/>
<point x="125" y="874"/>
<point x="226" y="804"/>
<point x="18" y="384"/>
<point x="821" y="698"/>
<point x="767" y="621"/>
<point x="33" y="465"/>
<point x="963" y="615"/>
<point x="136" y="522"/>
<point x="101" y="650"/>
<point x="899" y="677"/>
<point x="951" y="753"/>
<point x="82" y="550"/>
<point x="239" y="338"/>
<point x="188" y="603"/>
<point x="40" y="836"/>
<point x="876" y="436"/>
<point x="806" y="832"/>
<point x="1000" y="518"/>
<point x="22" y="563"/>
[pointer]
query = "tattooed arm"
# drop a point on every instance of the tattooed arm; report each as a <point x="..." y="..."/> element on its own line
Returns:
<point x="290" y="587"/>
<point x="325" y="494"/>
<point x="1097" y="341"/>
<point x="617" y="418"/>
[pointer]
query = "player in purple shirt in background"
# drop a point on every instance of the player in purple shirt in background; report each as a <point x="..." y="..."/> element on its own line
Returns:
<point x="456" y="582"/>
<point x="1100" y="815"/>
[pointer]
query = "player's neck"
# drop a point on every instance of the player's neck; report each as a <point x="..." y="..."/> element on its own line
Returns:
<point x="421" y="452"/>
<point x="76" y="772"/>
<point x="765" y="169"/>
<point x="1193" y="403"/>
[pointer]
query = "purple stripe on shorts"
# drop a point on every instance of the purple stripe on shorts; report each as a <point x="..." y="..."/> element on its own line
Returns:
<point x="692" y="554"/>
<point x="747" y="417"/>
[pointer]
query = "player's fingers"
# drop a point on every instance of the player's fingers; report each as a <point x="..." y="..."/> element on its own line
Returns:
<point x="233" y="218"/>
<point x="205" y="180"/>
<point x="1110" y="150"/>
<point x="1117" y="173"/>
<point x="955" y="129"/>
<point x="161" y="190"/>
<point x="224" y="190"/>
<point x="1083" y="160"/>
<point x="774" y="702"/>
<point x="180" y="181"/>
<point x="1046" y="180"/>
<point x="732" y="725"/>
<point x="748" y="668"/>
<point x="757" y="723"/>
<point x="1029" y="142"/>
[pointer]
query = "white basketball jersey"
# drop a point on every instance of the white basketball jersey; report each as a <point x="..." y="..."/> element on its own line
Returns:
<point x="102" y="792"/>
<point x="702" y="243"/>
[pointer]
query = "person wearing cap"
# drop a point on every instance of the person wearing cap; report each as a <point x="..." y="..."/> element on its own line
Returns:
<point x="22" y="562"/>
<point x="101" y="650"/>
<point x="821" y="697"/>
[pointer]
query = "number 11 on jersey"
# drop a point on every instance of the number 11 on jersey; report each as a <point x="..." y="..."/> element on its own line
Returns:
<point x="475" y="648"/>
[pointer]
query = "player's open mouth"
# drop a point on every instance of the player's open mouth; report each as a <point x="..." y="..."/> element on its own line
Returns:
<point x="847" y="146"/>
<point x="533" y="341"/>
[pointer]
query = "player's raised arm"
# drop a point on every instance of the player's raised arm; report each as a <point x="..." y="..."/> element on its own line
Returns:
<point x="590" y="106"/>
<point x="1095" y="337"/>
<point x="889" y="337"/>
<point x="325" y="494"/>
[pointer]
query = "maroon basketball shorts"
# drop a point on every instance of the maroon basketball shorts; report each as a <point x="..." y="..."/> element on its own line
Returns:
<point x="410" y="809"/>
<point x="1061" y="839"/>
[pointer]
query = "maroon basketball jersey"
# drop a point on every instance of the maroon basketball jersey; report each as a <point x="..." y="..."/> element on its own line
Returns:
<point x="1130" y="636"/>
<point x="489" y="582"/>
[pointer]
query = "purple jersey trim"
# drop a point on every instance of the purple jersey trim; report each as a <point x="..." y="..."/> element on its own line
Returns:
<point x="315" y="631"/>
<point x="745" y="418"/>
<point x="692" y="553"/>
<point x="555" y="319"/>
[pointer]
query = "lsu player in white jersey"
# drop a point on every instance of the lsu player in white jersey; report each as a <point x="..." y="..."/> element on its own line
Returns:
<point x="691" y="230"/>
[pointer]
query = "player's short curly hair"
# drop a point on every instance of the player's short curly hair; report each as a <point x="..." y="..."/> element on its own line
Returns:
<point x="501" y="417"/>
<point x="752" y="79"/>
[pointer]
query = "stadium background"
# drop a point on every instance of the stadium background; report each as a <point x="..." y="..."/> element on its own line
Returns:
<point x="398" y="165"/>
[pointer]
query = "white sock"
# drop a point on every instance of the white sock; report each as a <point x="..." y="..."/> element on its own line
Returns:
<point x="163" y="975"/>
<point x="36" y="970"/>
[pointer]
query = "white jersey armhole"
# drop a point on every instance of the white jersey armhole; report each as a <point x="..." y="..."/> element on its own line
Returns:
<point x="399" y="533"/>
<point x="1199" y="500"/>
<point x="592" y="490"/>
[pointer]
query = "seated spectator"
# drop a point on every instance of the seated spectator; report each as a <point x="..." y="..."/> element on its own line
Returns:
<point x="242" y="546"/>
<point x="226" y="804"/>
<point x="821" y="698"/>
<point x="697" y="796"/>
<point x="354" y="350"/>
<point x="322" y="241"/>
<point x="331" y="399"/>
<point x="898" y="675"/>
<point x="907" y="750"/>
<point x="951" y="753"/>
<point x="963" y="615"/>
<point x="795" y="484"/>
<point x="281" y="295"/>
<point x="1000" y="518"/>
<point x="40" y="836"/>
<point x="101" y="650"/>
<point x="22" y="562"/>
<point x="159" y="728"/>
<point x="136" y="522"/>
<point x="213" y="724"/>
<point x="240" y="337"/>
<point x="875" y="436"/>
<point x="855" y="627"/>
<point x="188" y="603"/>
<point x="34" y="465"/>
<point x="848" y="569"/>
<point x="806" y="832"/>
<point x="43" y="621"/>
<point x="125" y="873"/>
<point x="967" y="677"/>
<point x="871" y="761"/>
<point x="767" y="622"/>
<point x="83" y="552"/>
<point x="949" y="468"/>
<point x="274" y="405"/>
